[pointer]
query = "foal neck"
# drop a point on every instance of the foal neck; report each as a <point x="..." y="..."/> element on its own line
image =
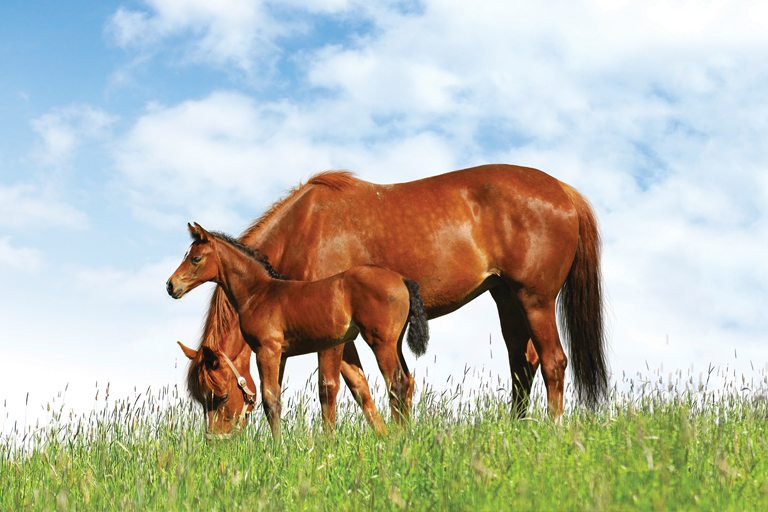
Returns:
<point x="240" y="274"/>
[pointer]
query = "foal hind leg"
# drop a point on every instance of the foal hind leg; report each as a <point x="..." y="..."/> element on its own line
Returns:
<point x="523" y="360"/>
<point x="352" y="371"/>
<point x="398" y="381"/>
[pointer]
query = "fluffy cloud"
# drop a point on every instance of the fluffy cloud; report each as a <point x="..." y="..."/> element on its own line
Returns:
<point x="234" y="32"/>
<point x="23" y="206"/>
<point x="64" y="129"/>
<point x="227" y="153"/>
<point x="19" y="258"/>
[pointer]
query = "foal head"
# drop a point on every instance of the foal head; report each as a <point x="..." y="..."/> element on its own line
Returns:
<point x="200" y="265"/>
<point x="214" y="384"/>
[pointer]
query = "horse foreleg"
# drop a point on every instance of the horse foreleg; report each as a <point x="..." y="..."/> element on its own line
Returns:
<point x="328" y="368"/>
<point x="268" y="363"/>
<point x="352" y="371"/>
<point x="523" y="360"/>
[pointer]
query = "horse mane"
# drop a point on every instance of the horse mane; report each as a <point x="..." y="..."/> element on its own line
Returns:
<point x="219" y="320"/>
<point x="251" y="252"/>
<point x="335" y="180"/>
<point x="221" y="314"/>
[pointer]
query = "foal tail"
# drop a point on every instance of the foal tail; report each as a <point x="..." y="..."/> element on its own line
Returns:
<point x="581" y="308"/>
<point x="418" y="330"/>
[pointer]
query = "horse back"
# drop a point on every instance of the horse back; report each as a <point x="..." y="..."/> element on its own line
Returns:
<point x="449" y="233"/>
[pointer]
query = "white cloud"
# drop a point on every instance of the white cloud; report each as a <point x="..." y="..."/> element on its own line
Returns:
<point x="64" y="129"/>
<point x="21" y="259"/>
<point x="226" y="31"/>
<point x="25" y="206"/>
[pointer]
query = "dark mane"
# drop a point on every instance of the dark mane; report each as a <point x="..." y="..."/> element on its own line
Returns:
<point x="218" y="322"/>
<point x="248" y="251"/>
<point x="335" y="180"/>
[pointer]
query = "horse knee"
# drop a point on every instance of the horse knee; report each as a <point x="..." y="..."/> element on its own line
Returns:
<point x="272" y="408"/>
<point x="328" y="389"/>
<point x="555" y="365"/>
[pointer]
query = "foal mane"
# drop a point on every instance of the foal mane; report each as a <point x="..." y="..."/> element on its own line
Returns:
<point x="251" y="252"/>
<point x="221" y="315"/>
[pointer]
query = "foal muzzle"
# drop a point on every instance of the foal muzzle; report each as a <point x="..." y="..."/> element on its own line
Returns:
<point x="174" y="292"/>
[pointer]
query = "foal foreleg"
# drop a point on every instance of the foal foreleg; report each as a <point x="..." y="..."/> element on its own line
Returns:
<point x="268" y="363"/>
<point x="328" y="368"/>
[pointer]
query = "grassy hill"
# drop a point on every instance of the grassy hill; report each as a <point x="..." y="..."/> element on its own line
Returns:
<point x="657" y="446"/>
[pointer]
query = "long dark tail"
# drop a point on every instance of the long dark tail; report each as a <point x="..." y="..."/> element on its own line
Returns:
<point x="581" y="308"/>
<point x="418" y="327"/>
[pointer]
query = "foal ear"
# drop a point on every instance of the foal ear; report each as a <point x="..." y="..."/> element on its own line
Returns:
<point x="210" y="358"/>
<point x="187" y="351"/>
<point x="197" y="233"/>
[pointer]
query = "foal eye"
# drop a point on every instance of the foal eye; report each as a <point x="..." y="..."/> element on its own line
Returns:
<point x="196" y="259"/>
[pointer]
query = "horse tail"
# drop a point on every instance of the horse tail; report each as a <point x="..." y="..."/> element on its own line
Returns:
<point x="581" y="308"/>
<point x="418" y="330"/>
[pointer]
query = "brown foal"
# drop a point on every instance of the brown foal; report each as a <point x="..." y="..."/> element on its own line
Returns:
<point x="280" y="318"/>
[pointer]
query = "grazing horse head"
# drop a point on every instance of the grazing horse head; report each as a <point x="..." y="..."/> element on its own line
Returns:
<point x="223" y="390"/>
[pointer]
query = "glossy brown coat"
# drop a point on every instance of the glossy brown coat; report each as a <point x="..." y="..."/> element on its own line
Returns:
<point x="282" y="318"/>
<point x="514" y="231"/>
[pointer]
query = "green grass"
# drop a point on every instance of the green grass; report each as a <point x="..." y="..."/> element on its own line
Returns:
<point x="652" y="448"/>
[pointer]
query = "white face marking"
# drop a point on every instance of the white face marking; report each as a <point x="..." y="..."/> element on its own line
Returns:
<point x="187" y="253"/>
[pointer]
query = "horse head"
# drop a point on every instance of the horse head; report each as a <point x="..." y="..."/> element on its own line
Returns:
<point x="200" y="264"/>
<point x="223" y="389"/>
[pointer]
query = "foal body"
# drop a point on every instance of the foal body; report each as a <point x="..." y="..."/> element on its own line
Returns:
<point x="282" y="318"/>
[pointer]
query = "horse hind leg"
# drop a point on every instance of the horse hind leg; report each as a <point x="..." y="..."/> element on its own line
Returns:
<point x="523" y="360"/>
<point x="543" y="327"/>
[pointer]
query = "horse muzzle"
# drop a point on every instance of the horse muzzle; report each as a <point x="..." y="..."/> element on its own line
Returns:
<point x="173" y="290"/>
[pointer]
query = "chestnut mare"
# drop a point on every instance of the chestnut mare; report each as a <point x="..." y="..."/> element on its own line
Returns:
<point x="514" y="231"/>
<point x="280" y="318"/>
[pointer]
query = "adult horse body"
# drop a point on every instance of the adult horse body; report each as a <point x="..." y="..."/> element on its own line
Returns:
<point x="514" y="231"/>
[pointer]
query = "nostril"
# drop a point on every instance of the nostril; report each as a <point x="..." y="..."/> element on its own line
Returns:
<point x="169" y="287"/>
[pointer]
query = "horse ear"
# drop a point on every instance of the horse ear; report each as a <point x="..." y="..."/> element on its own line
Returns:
<point x="197" y="232"/>
<point x="203" y="234"/>
<point x="210" y="358"/>
<point x="187" y="351"/>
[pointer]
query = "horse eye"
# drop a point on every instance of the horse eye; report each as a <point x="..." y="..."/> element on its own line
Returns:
<point x="196" y="259"/>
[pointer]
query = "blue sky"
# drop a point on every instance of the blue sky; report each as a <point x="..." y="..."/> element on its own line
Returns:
<point x="122" y="121"/>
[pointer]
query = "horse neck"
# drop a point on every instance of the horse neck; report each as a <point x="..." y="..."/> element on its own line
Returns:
<point x="240" y="276"/>
<point x="233" y="345"/>
<point x="274" y="231"/>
